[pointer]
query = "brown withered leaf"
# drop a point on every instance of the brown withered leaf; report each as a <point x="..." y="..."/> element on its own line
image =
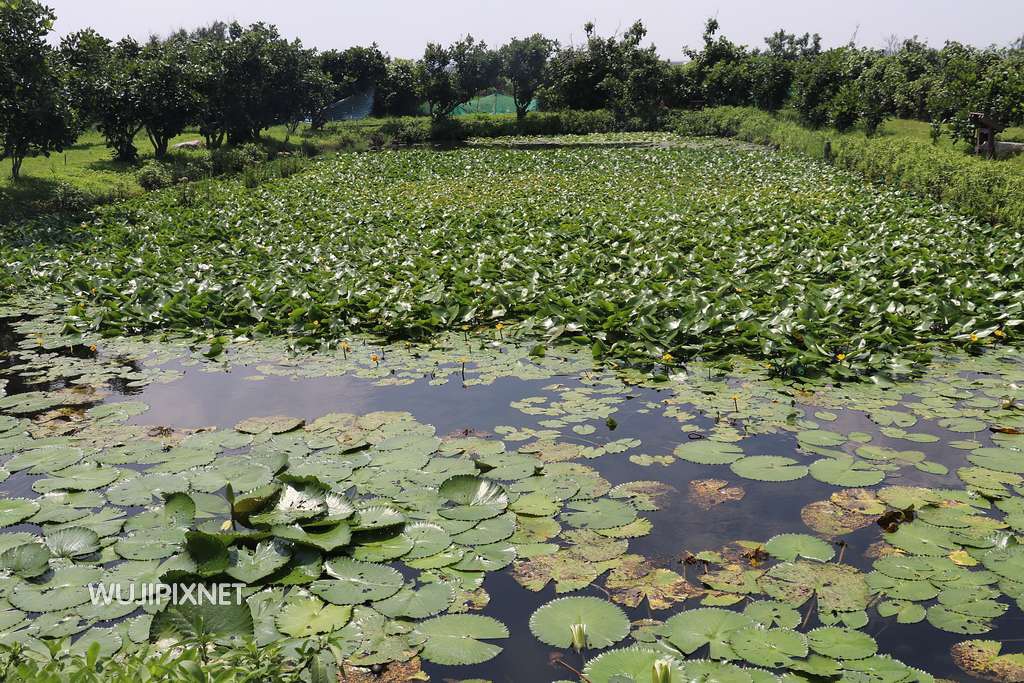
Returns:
<point x="981" y="658"/>
<point x="829" y="519"/>
<point x="395" y="672"/>
<point x="636" y="579"/>
<point x="707" y="493"/>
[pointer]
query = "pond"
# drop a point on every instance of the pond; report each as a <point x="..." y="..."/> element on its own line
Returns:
<point x="495" y="480"/>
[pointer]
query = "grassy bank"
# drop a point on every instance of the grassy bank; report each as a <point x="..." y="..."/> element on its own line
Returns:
<point x="992" y="191"/>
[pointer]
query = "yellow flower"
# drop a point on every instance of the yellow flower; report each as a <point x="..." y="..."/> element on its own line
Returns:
<point x="840" y="357"/>
<point x="92" y="348"/>
<point x="999" y="333"/>
<point x="499" y="327"/>
<point x="667" y="358"/>
<point x="974" y="337"/>
<point x="316" y="323"/>
<point x="344" y="346"/>
<point x="463" y="360"/>
<point x="375" y="358"/>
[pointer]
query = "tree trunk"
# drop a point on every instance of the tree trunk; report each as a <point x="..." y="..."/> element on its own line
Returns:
<point x="16" y="160"/>
<point x="214" y="139"/>
<point x="127" y="153"/>
<point x="160" y="146"/>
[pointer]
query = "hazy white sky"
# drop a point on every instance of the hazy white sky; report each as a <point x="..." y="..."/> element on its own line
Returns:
<point x="403" y="27"/>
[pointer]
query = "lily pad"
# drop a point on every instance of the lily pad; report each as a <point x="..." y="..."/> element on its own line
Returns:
<point x="604" y="623"/>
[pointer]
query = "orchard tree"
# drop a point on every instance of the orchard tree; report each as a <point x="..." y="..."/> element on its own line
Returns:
<point x="85" y="54"/>
<point x="167" y="92"/>
<point x="303" y="90"/>
<point x="121" y="112"/>
<point x="35" y="112"/>
<point x="722" y="68"/>
<point x="354" y="70"/>
<point x="453" y="75"/>
<point x="398" y="92"/>
<point x="524" y="63"/>
<point x="609" y="73"/>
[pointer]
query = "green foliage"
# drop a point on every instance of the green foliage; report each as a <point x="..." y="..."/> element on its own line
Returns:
<point x="524" y="64"/>
<point x="154" y="175"/>
<point x="617" y="74"/>
<point x="35" y="113"/>
<point x="195" y="661"/>
<point x="751" y="315"/>
<point x="450" y="76"/>
<point x="987" y="190"/>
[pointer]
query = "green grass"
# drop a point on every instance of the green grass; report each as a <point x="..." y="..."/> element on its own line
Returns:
<point x="87" y="166"/>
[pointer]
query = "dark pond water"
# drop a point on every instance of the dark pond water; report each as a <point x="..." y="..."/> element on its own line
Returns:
<point x="221" y="399"/>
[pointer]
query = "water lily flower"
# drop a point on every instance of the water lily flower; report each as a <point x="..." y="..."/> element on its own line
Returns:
<point x="92" y="347"/>
<point x="579" y="636"/>
<point x="974" y="337"/>
<point x="667" y="357"/>
<point x="840" y="357"/>
<point x="661" y="672"/>
<point x="375" y="358"/>
<point x="999" y="333"/>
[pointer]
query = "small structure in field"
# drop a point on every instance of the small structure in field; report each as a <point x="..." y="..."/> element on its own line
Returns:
<point x="190" y="144"/>
<point x="985" y="129"/>
<point x="985" y="143"/>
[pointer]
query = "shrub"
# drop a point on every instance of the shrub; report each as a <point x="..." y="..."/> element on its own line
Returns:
<point x="237" y="159"/>
<point x="289" y="166"/>
<point x="309" y="149"/>
<point x="154" y="175"/>
<point x="845" y="108"/>
<point x="191" y="164"/>
<point x="67" y="197"/>
<point x="254" y="176"/>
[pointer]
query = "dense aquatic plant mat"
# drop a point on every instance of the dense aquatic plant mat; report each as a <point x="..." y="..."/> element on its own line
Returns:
<point x="702" y="250"/>
<point x="991" y="191"/>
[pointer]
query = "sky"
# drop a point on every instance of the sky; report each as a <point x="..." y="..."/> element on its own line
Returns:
<point x="403" y="27"/>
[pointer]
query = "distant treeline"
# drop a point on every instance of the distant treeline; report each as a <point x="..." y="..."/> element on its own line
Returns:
<point x="231" y="81"/>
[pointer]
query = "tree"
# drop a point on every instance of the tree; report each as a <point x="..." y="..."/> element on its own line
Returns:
<point x="35" y="112"/>
<point x="613" y="73"/>
<point x="398" y="92"/>
<point x="524" y="63"/>
<point x="85" y="54"/>
<point x="819" y="80"/>
<point x="167" y="95"/>
<point x="453" y="75"/>
<point x="354" y="70"/>
<point x="350" y="72"/>
<point x="303" y="90"/>
<point x="722" y="69"/>
<point x="121" y="112"/>
<point x="250" y="78"/>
